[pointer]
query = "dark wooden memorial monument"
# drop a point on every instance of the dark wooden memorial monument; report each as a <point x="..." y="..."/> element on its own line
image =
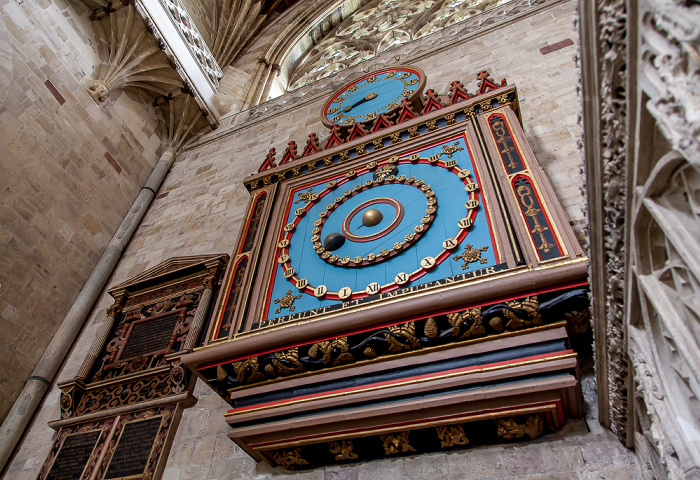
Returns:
<point x="120" y="413"/>
<point x="409" y="284"/>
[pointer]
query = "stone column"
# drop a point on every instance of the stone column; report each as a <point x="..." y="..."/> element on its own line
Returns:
<point x="198" y="321"/>
<point x="38" y="383"/>
<point x="112" y="313"/>
<point x="273" y="71"/>
<point x="256" y="84"/>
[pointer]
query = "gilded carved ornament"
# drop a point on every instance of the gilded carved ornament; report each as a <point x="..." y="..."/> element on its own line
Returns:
<point x="508" y="428"/>
<point x="396" y="442"/>
<point x="288" y="458"/>
<point x="342" y="450"/>
<point x="451" y="435"/>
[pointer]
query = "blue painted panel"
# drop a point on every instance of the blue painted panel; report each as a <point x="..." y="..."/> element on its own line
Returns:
<point x="388" y="89"/>
<point x="451" y="197"/>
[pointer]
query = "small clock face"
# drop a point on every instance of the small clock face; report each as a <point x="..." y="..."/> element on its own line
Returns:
<point x="399" y="221"/>
<point x="367" y="97"/>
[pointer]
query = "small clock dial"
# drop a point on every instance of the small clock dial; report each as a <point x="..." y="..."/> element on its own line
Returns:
<point x="400" y="221"/>
<point x="371" y="95"/>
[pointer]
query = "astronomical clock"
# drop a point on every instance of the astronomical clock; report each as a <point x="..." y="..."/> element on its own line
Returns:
<point x="410" y="283"/>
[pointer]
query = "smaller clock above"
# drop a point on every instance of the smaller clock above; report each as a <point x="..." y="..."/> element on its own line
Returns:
<point x="376" y="93"/>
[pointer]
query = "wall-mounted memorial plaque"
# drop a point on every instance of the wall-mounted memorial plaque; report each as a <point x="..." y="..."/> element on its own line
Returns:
<point x="133" y="365"/>
<point x="130" y="446"/>
<point x="134" y="448"/>
<point x="149" y="336"/>
<point x="75" y="451"/>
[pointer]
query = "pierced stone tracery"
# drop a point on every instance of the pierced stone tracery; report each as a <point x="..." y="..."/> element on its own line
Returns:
<point x="380" y="26"/>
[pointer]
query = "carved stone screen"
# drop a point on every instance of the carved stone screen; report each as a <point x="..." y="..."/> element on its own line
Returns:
<point x="149" y="336"/>
<point x="73" y="456"/>
<point x="134" y="448"/>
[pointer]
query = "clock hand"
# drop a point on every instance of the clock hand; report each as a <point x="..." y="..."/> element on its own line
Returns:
<point x="366" y="98"/>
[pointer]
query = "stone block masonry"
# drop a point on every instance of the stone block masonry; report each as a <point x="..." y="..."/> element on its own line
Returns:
<point x="199" y="210"/>
<point x="70" y="169"/>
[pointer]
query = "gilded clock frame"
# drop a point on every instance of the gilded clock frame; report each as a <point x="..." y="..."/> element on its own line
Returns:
<point x="413" y="98"/>
<point x="475" y="128"/>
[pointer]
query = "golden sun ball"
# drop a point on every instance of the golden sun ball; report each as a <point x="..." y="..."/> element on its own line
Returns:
<point x="372" y="217"/>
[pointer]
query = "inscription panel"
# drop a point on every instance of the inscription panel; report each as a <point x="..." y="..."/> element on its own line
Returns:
<point x="73" y="456"/>
<point x="133" y="449"/>
<point x="149" y="336"/>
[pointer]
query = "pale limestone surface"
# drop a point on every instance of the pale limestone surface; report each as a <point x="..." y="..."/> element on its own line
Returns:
<point x="199" y="210"/>
<point x="61" y="198"/>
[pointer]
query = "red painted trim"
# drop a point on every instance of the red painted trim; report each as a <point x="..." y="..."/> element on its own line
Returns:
<point x="262" y="196"/>
<point x="333" y="141"/>
<point x="483" y="199"/>
<point x="404" y="115"/>
<point x="556" y="402"/>
<point x="491" y="301"/>
<point x="401" y="380"/>
<point x="544" y="212"/>
<point x="356" y="132"/>
<point x="525" y="163"/>
<point x="228" y="294"/>
<point x="380" y="123"/>
<point x="431" y="105"/>
<point x="364" y="77"/>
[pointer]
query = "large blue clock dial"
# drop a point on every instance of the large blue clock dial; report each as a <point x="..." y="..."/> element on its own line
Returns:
<point x="373" y="94"/>
<point x="400" y="221"/>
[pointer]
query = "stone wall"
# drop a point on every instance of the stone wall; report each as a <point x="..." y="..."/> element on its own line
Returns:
<point x="201" y="203"/>
<point x="70" y="169"/>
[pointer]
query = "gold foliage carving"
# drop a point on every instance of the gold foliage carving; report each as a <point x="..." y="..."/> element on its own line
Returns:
<point x="451" y="435"/>
<point x="248" y="370"/>
<point x="579" y="322"/>
<point x="342" y="450"/>
<point x="528" y="305"/>
<point x="327" y="348"/>
<point x="430" y="329"/>
<point x="285" y="363"/>
<point x="288" y="458"/>
<point x="407" y="333"/>
<point x="512" y="320"/>
<point x="396" y="442"/>
<point x="467" y="324"/>
<point x="508" y="428"/>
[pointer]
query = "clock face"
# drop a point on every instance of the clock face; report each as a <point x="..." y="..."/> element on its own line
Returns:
<point x="367" y="97"/>
<point x="401" y="221"/>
